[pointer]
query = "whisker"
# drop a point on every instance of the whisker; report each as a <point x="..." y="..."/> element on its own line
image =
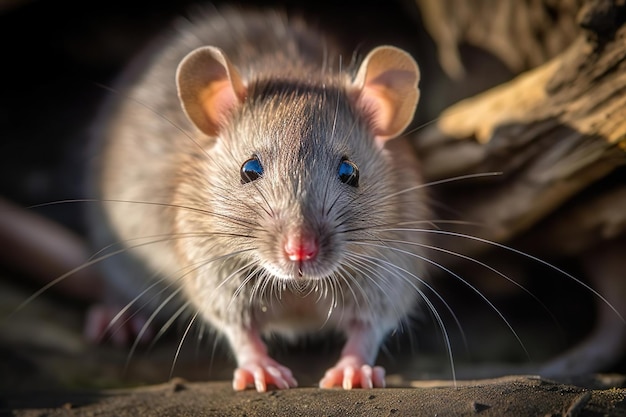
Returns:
<point x="146" y="326"/>
<point x="356" y="261"/>
<point x="351" y="278"/>
<point x="395" y="270"/>
<point x="86" y="265"/>
<point x="444" y="181"/>
<point x="241" y="286"/>
<point x="190" y="268"/>
<point x="441" y="221"/>
<point x="333" y="300"/>
<point x="428" y="302"/>
<point x="332" y="205"/>
<point x="458" y="277"/>
<point x="216" y="339"/>
<point x="182" y="340"/>
<point x="128" y="305"/>
<point x="422" y="126"/>
<point x="163" y="237"/>
<point x="482" y="264"/>
<point x="387" y="226"/>
<point x="334" y="127"/>
<point x="238" y="221"/>
<point x="170" y="321"/>
<point x="337" y="293"/>
<point x="55" y="281"/>
<point x="265" y="285"/>
<point x="521" y="253"/>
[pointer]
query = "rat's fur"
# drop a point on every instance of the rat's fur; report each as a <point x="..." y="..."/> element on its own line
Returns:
<point x="216" y="242"/>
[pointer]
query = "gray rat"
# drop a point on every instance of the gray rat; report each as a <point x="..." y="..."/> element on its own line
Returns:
<point x="251" y="178"/>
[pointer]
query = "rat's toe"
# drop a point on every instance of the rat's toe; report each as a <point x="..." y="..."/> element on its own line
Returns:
<point x="263" y="374"/>
<point x="350" y="376"/>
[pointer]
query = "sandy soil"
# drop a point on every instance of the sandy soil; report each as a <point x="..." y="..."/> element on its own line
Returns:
<point x="515" y="396"/>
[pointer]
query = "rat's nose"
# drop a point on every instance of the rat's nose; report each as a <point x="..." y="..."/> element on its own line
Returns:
<point x="301" y="247"/>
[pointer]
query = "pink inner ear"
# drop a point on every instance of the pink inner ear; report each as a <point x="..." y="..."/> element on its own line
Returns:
<point x="374" y="102"/>
<point x="389" y="99"/>
<point x="218" y="100"/>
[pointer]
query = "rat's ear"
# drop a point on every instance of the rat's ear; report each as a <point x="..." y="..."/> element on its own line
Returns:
<point x="209" y="88"/>
<point x="386" y="90"/>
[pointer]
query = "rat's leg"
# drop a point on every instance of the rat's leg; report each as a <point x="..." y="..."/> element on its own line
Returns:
<point x="254" y="365"/>
<point x="354" y="368"/>
<point x="606" y="268"/>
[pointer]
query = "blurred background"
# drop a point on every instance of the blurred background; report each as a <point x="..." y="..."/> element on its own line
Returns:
<point x="59" y="57"/>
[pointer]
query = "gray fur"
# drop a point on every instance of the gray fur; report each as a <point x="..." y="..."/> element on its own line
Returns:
<point x="299" y="120"/>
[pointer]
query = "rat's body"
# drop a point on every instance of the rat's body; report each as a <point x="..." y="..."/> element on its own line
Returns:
<point x="271" y="200"/>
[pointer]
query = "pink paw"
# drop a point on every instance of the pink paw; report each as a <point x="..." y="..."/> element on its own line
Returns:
<point x="350" y="376"/>
<point x="261" y="373"/>
<point x="102" y="322"/>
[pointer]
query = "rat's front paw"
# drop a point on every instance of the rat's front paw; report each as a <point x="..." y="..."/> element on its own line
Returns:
<point x="261" y="373"/>
<point x="350" y="375"/>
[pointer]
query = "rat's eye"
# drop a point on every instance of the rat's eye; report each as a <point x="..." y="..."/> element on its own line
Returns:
<point x="251" y="170"/>
<point x="349" y="173"/>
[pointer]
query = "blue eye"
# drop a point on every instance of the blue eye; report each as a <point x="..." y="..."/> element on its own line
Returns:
<point x="251" y="170"/>
<point x="349" y="173"/>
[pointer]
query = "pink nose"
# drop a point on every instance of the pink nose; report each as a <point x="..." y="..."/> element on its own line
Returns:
<point x="300" y="248"/>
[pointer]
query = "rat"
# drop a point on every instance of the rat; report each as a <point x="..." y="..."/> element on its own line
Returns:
<point x="250" y="178"/>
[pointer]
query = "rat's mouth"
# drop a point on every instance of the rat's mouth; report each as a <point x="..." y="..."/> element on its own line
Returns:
<point x="299" y="271"/>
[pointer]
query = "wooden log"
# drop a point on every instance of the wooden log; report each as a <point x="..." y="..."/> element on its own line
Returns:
<point x="552" y="132"/>
<point x="522" y="33"/>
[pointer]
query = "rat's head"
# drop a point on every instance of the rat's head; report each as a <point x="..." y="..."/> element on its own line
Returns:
<point x="298" y="170"/>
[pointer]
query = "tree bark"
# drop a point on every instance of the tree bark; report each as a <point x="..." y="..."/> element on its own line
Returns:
<point x="551" y="133"/>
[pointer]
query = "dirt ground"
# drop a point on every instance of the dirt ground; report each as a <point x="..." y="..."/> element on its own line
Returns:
<point x="515" y="396"/>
